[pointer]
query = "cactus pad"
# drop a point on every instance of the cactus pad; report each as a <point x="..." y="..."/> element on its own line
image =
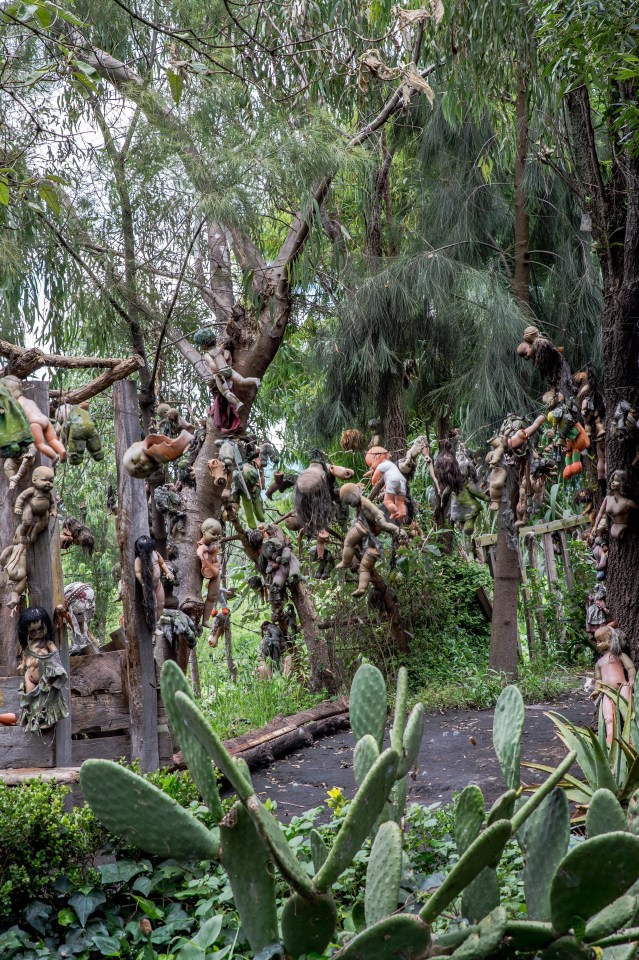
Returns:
<point x="412" y="739"/>
<point x="383" y="874"/>
<point x="469" y="817"/>
<point x="308" y="926"/>
<point x="483" y="852"/>
<point x="481" y="896"/>
<point x="140" y="813"/>
<point x="604" y="814"/>
<point x="368" y="703"/>
<point x="619" y="914"/>
<point x="250" y="870"/>
<point x="197" y="760"/>
<point x="200" y="729"/>
<point x="508" y="725"/>
<point x="503" y="807"/>
<point x="271" y="833"/>
<point x="591" y="876"/>
<point x="485" y="938"/>
<point x="399" y="718"/>
<point x="362" y="814"/>
<point x="364" y="756"/>
<point x="319" y="850"/>
<point x="404" y="936"/>
<point x="546" y="842"/>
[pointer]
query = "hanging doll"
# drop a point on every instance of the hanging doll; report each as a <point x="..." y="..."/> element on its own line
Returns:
<point x="383" y="468"/>
<point x="280" y="567"/>
<point x="498" y="474"/>
<point x="78" y="432"/>
<point x="221" y="617"/>
<point x="168" y="503"/>
<point x="465" y="506"/>
<point x="599" y="554"/>
<point x="43" y="433"/>
<point x="218" y="359"/>
<point x="16" y="468"/>
<point x="316" y="493"/>
<point x="613" y="669"/>
<point x="13" y="560"/>
<point x="271" y="647"/>
<point x="321" y="557"/>
<point x="532" y="489"/>
<point x="145" y="456"/>
<point x="597" y="613"/>
<point x="369" y="521"/>
<point x="624" y="427"/>
<point x="171" y="423"/>
<point x="208" y="549"/>
<point x="42" y="701"/>
<point x="149" y="567"/>
<point x="615" y="510"/>
<point x="15" y="433"/>
<point x="562" y="414"/>
<point x="79" y="599"/>
<point x="593" y="412"/>
<point x="36" y="505"/>
<point x="545" y="357"/>
<point x="353" y="441"/>
<point x="175" y="626"/>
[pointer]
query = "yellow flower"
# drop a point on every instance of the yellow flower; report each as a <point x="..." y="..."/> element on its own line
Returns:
<point x="335" y="793"/>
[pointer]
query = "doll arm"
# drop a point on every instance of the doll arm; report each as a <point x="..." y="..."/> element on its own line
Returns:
<point x="597" y="689"/>
<point x="22" y="499"/>
<point x="629" y="667"/>
<point x="600" y="515"/>
<point x="163" y="567"/>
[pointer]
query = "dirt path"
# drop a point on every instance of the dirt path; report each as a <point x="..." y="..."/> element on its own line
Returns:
<point x="456" y="750"/>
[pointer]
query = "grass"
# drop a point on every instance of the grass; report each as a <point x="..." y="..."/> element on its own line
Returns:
<point x="235" y="708"/>
<point x="478" y="687"/>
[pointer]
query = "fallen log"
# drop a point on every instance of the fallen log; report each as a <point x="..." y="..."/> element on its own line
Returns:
<point x="284" y="735"/>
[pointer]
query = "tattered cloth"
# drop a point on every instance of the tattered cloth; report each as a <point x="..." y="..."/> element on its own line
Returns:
<point x="224" y="415"/>
<point x="15" y="432"/>
<point x="46" y="704"/>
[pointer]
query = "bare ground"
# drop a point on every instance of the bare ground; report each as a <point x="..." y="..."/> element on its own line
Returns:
<point x="456" y="750"/>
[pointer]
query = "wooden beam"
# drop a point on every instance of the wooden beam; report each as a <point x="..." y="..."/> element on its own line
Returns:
<point x="22" y="361"/>
<point x="565" y="556"/>
<point x="123" y="369"/>
<point x="133" y="522"/>
<point x="489" y="539"/>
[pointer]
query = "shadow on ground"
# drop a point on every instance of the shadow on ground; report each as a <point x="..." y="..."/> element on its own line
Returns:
<point x="457" y="749"/>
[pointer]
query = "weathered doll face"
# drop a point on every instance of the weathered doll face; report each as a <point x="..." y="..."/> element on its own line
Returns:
<point x="615" y="483"/>
<point x="36" y="634"/>
<point x="42" y="479"/>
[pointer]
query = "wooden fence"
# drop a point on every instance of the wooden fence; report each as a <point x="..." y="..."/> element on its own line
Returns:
<point x="531" y="540"/>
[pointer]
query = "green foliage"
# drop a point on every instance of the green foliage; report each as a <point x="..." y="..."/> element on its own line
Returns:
<point x="42" y="844"/>
<point x="606" y="767"/>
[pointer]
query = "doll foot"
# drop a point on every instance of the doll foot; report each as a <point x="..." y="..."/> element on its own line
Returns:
<point x="359" y="592"/>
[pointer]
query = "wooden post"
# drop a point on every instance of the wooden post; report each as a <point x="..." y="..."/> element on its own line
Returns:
<point x="133" y="522"/>
<point x="549" y="556"/>
<point x="504" y="639"/>
<point x="46" y="582"/>
<point x="528" y="613"/>
<point x="568" y="574"/>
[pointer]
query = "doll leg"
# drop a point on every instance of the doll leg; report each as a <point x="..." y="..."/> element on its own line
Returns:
<point x="248" y="381"/>
<point x="223" y="386"/>
<point x="391" y="506"/>
<point x="39" y="528"/>
<point x="54" y="451"/>
<point x="94" y="446"/>
<point x="211" y="596"/>
<point x="400" y="504"/>
<point x="609" y="717"/>
<point x="366" y="567"/>
<point x="159" y="599"/>
<point x="353" y="539"/>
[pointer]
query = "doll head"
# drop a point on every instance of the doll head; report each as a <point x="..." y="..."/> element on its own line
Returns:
<point x="350" y="494"/>
<point x="375" y="456"/>
<point x="618" y="482"/>
<point x="610" y="638"/>
<point x="211" y="530"/>
<point x="34" y="628"/>
<point x="204" y="338"/>
<point x="43" y="478"/>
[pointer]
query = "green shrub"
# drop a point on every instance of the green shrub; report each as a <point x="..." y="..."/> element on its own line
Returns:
<point x="41" y="843"/>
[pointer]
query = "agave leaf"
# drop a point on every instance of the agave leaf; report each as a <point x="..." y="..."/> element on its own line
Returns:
<point x="573" y="738"/>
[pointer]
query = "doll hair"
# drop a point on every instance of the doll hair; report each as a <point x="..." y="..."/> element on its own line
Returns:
<point x="144" y="547"/>
<point x="32" y="615"/>
<point x="204" y="338"/>
<point x="315" y="507"/>
<point x="616" y="641"/>
<point x="80" y="534"/>
<point x="447" y="469"/>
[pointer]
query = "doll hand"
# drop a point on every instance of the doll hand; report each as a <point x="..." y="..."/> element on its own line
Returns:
<point x="18" y="511"/>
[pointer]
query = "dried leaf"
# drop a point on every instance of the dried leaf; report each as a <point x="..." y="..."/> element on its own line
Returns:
<point x="372" y="62"/>
<point x="413" y="80"/>
<point x="406" y="18"/>
<point x="436" y="10"/>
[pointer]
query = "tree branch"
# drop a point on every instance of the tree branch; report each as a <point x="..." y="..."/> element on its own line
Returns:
<point x="123" y="369"/>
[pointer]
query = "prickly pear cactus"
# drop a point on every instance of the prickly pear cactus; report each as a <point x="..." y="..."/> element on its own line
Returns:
<point x="384" y="874"/>
<point x="508" y="725"/>
<point x="368" y="703"/>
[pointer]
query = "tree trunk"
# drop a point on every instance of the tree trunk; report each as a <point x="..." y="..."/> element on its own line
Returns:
<point x="521" y="278"/>
<point x="504" y="637"/>
<point x="394" y="424"/>
<point x="621" y="351"/>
